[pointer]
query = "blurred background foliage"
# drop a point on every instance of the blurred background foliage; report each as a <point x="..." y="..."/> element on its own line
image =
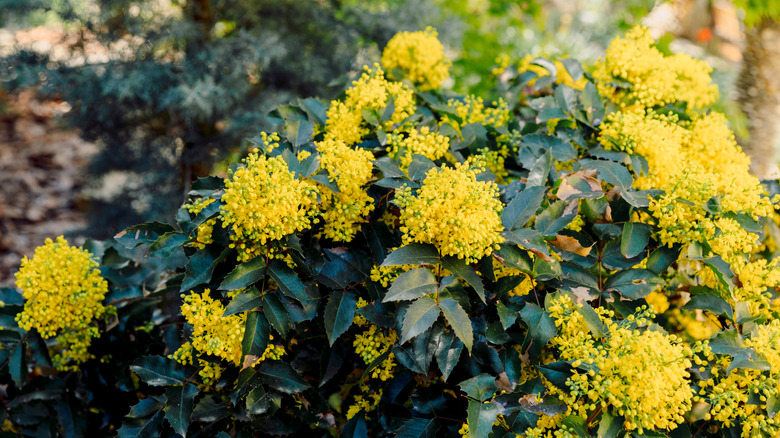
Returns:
<point x="168" y="89"/>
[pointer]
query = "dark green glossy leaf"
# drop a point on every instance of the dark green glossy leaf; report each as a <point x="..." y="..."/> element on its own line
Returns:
<point x="199" y="270"/>
<point x="592" y="320"/>
<point x="522" y="207"/>
<point x="727" y="341"/>
<point x="527" y="238"/>
<point x="481" y="417"/>
<point x="256" y="334"/>
<point x="419" y="317"/>
<point x="144" y="233"/>
<point x="178" y="409"/>
<point x="537" y="177"/>
<point x="460" y="269"/>
<point x="159" y="371"/>
<point x="638" y="198"/>
<point x="634" y="239"/>
<point x="611" y="172"/>
<point x="276" y="313"/>
<point x="722" y="271"/>
<point x="419" y="167"/>
<point x="576" y="424"/>
<point x="339" y="313"/>
<point x="610" y="426"/>
<point x="147" y="429"/>
<point x="458" y="320"/>
<point x="412" y="284"/>
<point x="634" y="283"/>
<point x="355" y="428"/>
<point x="714" y="304"/>
<point x="298" y="131"/>
<point x="506" y="315"/>
<point x="17" y="364"/>
<point x="256" y="401"/>
<point x="555" y="217"/>
<point x="413" y="254"/>
<point x="244" y="302"/>
<point x="208" y="410"/>
<point x="663" y="257"/>
<point x="447" y="353"/>
<point x="282" y="377"/>
<point x="557" y="373"/>
<point x="166" y="244"/>
<point x="418" y="428"/>
<point x="541" y="328"/>
<point x="514" y="257"/>
<point x="245" y="274"/>
<point x="288" y="281"/>
<point x="481" y="387"/>
<point x="389" y="168"/>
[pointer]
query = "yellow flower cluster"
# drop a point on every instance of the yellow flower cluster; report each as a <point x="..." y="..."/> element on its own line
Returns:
<point x="472" y="110"/>
<point x="423" y="142"/>
<point x="211" y="332"/>
<point x="365" y="404"/>
<point x="494" y="161"/>
<point x="452" y="210"/>
<point x="350" y="169"/>
<point x="371" y="343"/>
<point x="640" y="375"/>
<point x="209" y="372"/>
<point x="371" y="92"/>
<point x="418" y="57"/>
<point x="562" y="75"/>
<point x="729" y="394"/>
<point x="205" y="229"/>
<point x="63" y="293"/>
<point x="636" y="74"/>
<point x="263" y="202"/>
<point x="549" y="427"/>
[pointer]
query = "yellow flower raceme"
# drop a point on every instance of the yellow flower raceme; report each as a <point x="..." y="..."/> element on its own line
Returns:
<point x="264" y="202"/>
<point x="452" y="210"/>
<point x="63" y="293"/>
<point x="636" y="74"/>
<point x="419" y="57"/>
<point x="526" y="285"/>
<point x="429" y="144"/>
<point x="371" y="92"/>
<point x="205" y="229"/>
<point x="350" y="169"/>
<point x="472" y="109"/>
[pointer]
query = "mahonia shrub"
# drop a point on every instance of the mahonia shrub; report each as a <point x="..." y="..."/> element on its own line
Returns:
<point x="584" y="256"/>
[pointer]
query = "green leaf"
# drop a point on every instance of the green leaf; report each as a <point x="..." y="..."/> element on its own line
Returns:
<point x="247" y="379"/>
<point x="370" y="116"/>
<point x="244" y="302"/>
<point x="727" y="341"/>
<point x="419" y="317"/>
<point x="458" y="320"/>
<point x="611" y="172"/>
<point x="245" y="274"/>
<point x="389" y="168"/>
<point x="339" y="313"/>
<point x="638" y="198"/>
<point x="159" y="371"/>
<point x="481" y="417"/>
<point x="448" y="349"/>
<point x="316" y="110"/>
<point x="537" y="177"/>
<point x="576" y="424"/>
<point x="412" y="284"/>
<point x="523" y="207"/>
<point x="541" y="328"/>
<point x="147" y="429"/>
<point x="748" y="359"/>
<point x="557" y="373"/>
<point x="527" y="238"/>
<point x="512" y="256"/>
<point x="298" y="131"/>
<point x="722" y="271"/>
<point x="288" y="281"/>
<point x="610" y="426"/>
<point x="714" y="304"/>
<point x="460" y="269"/>
<point x="282" y="377"/>
<point x="143" y="233"/>
<point x="418" y="428"/>
<point x="256" y="334"/>
<point x="592" y="320"/>
<point x="413" y="254"/>
<point x="17" y="364"/>
<point x="208" y="411"/>
<point x="355" y="428"/>
<point x="634" y="283"/>
<point x="634" y="239"/>
<point x="199" y="269"/>
<point x="555" y="217"/>
<point x="481" y="387"/>
<point x="166" y="244"/>
<point x="178" y="409"/>
<point x="663" y="257"/>
<point x="506" y="315"/>
<point x="256" y="401"/>
<point x="419" y="167"/>
<point x="276" y="313"/>
<point x="772" y="406"/>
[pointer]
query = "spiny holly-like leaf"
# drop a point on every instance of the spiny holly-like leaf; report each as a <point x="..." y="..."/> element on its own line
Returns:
<point x="480" y="387"/>
<point x="17" y="364"/>
<point x="178" y="409"/>
<point x="460" y="269"/>
<point x="245" y="274"/>
<point x="256" y="334"/>
<point x="541" y="328"/>
<point x="282" y="377"/>
<point x="200" y="268"/>
<point x="506" y="315"/>
<point x="634" y="239"/>
<point x="537" y="177"/>
<point x="634" y="283"/>
<point x="522" y="208"/>
<point x="412" y="284"/>
<point x="419" y="317"/>
<point x="288" y="281"/>
<point x="714" y="304"/>
<point x="244" y="302"/>
<point x="481" y="417"/>
<point x="339" y="313"/>
<point x="458" y="320"/>
<point x="413" y="254"/>
<point x="146" y="429"/>
<point x="418" y="428"/>
<point x="276" y="313"/>
<point x="555" y="217"/>
<point x="256" y="401"/>
<point x="159" y="371"/>
<point x="448" y="349"/>
<point x="208" y="410"/>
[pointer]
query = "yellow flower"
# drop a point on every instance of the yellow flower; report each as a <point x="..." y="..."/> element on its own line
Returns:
<point x="417" y="56"/>
<point x="452" y="210"/>
<point x="429" y="144"/>
<point x="371" y="92"/>
<point x="63" y="293"/>
<point x="264" y="202"/>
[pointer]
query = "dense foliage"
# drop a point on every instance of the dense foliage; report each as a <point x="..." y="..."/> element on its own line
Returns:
<point x="585" y="256"/>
